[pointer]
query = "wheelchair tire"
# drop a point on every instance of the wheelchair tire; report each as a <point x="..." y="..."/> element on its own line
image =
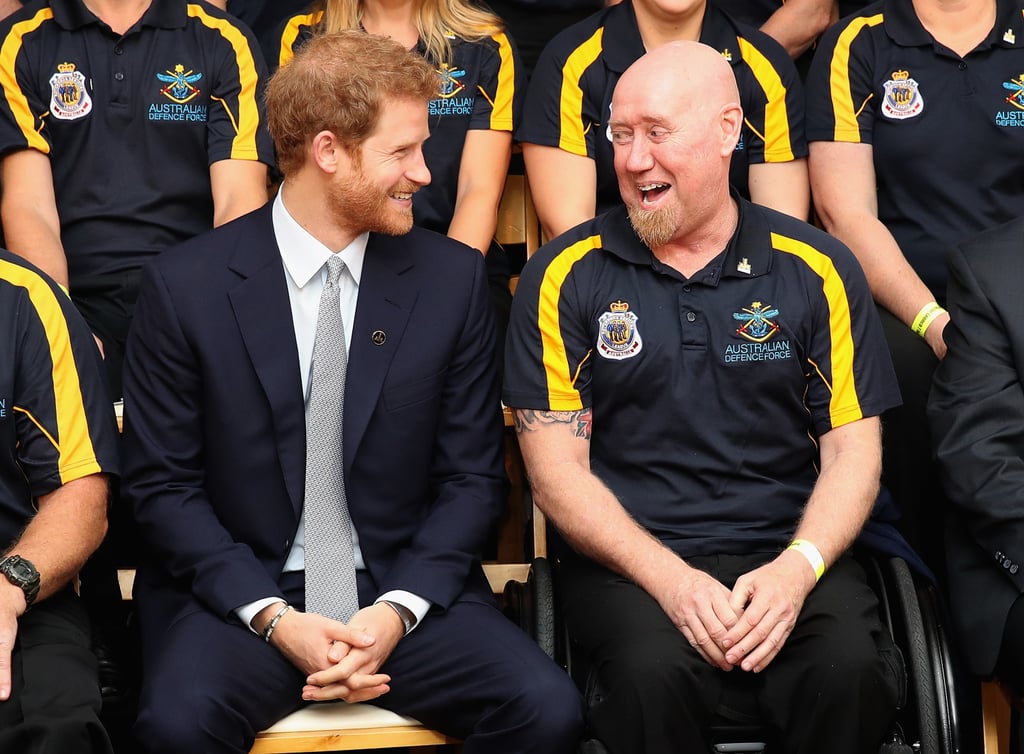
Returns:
<point x="542" y="590"/>
<point x="924" y="696"/>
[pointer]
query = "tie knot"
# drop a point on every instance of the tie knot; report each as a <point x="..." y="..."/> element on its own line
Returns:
<point x="335" y="266"/>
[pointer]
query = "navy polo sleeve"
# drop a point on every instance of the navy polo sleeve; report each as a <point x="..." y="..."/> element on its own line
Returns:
<point x="500" y="85"/>
<point x="841" y="83"/>
<point x="563" y="100"/>
<point x="65" y="422"/>
<point x="23" y="101"/>
<point x="236" y="128"/>
<point x="772" y="99"/>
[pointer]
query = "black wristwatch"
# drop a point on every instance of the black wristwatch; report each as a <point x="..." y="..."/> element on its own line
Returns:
<point x="22" y="574"/>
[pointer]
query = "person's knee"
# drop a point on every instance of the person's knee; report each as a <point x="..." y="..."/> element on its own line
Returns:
<point x="190" y="721"/>
<point x="547" y="711"/>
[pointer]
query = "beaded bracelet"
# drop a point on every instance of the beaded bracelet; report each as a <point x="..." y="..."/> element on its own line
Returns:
<point x="269" y="630"/>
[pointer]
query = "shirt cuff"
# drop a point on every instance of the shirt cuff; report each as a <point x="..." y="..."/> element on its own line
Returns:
<point x="246" y="613"/>
<point x="416" y="604"/>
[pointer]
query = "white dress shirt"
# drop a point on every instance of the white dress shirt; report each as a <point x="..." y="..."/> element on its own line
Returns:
<point x="305" y="264"/>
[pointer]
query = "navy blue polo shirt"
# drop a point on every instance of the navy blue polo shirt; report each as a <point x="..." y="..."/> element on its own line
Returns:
<point x="480" y="89"/>
<point x="709" y="394"/>
<point x="569" y="97"/>
<point x="131" y="123"/>
<point x="947" y="133"/>
<point x="56" y="419"/>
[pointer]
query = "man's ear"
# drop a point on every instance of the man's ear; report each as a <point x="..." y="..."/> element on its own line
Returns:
<point x="328" y="152"/>
<point x="732" y="125"/>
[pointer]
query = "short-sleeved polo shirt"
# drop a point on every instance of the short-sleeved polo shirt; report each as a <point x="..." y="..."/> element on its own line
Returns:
<point x="131" y="123"/>
<point x="708" y="394"/>
<point x="947" y="133"/>
<point x="56" y="419"/>
<point x="569" y="98"/>
<point x="480" y="90"/>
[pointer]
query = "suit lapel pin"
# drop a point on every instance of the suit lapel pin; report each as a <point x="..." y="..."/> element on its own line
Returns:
<point x="378" y="337"/>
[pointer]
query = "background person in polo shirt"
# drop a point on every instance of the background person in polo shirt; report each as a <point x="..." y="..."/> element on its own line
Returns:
<point x="125" y="127"/>
<point x="564" y="128"/>
<point x="696" y="382"/>
<point x="914" y="116"/>
<point x="57" y="446"/>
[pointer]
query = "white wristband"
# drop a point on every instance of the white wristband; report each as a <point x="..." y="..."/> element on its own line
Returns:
<point x="813" y="555"/>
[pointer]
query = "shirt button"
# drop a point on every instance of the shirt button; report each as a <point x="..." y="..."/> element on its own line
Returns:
<point x="691" y="317"/>
<point x="119" y="50"/>
<point x="962" y="66"/>
<point x="119" y="76"/>
<point x="686" y="289"/>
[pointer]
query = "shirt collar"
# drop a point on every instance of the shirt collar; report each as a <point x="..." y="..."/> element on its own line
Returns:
<point x="622" y="44"/>
<point x="165" y="14"/>
<point x="303" y="255"/>
<point x="904" y="28"/>
<point x="748" y="253"/>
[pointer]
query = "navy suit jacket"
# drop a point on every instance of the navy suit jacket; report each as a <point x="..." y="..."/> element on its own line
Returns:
<point x="976" y="410"/>
<point x="215" y="444"/>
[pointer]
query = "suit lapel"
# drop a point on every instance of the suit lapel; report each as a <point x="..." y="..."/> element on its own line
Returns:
<point x="264" y="317"/>
<point x="387" y="292"/>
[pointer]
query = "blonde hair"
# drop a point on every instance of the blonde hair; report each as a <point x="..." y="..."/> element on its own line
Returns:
<point x="339" y="83"/>
<point x="435" y="20"/>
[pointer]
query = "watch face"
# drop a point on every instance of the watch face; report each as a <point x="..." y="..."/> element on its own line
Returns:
<point x="22" y="571"/>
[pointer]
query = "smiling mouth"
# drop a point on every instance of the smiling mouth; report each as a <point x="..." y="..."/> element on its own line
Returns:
<point x="403" y="196"/>
<point x="649" y="192"/>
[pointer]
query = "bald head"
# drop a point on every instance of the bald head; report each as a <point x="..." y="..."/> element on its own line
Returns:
<point x="690" y="74"/>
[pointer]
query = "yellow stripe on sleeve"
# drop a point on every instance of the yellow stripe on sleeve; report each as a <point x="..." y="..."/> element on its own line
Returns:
<point x="844" y="405"/>
<point x="501" y="107"/>
<point x="843" y="108"/>
<point x="247" y="121"/>
<point x="291" y="33"/>
<point x="76" y="455"/>
<point x="572" y="132"/>
<point x="16" y="99"/>
<point x="562" y="392"/>
<point x="778" y="144"/>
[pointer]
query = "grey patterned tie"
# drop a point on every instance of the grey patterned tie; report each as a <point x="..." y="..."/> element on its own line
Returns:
<point x="330" y="571"/>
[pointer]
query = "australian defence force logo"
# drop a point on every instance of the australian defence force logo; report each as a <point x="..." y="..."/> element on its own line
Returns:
<point x="69" y="98"/>
<point x="902" y="98"/>
<point x="758" y="331"/>
<point x="617" y="334"/>
<point x="178" y="92"/>
<point x="449" y="101"/>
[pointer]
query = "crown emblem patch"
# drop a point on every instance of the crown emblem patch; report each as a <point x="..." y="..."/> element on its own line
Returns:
<point x="617" y="334"/>
<point x="69" y="98"/>
<point x="902" y="97"/>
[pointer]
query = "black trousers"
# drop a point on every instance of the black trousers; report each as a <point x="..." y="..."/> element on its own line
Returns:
<point x="830" y="689"/>
<point x="55" y="703"/>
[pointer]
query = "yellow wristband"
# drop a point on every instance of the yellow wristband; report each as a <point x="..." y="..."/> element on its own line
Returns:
<point x="813" y="555"/>
<point x="928" y="314"/>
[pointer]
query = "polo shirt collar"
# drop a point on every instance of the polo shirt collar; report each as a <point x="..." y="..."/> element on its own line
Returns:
<point x="623" y="45"/>
<point x="748" y="253"/>
<point x="162" y="14"/>
<point x="905" y="29"/>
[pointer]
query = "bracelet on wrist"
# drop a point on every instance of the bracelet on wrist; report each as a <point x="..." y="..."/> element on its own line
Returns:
<point x="813" y="555"/>
<point x="268" y="630"/>
<point x="928" y="314"/>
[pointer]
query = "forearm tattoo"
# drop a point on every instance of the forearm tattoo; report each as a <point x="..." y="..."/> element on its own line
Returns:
<point x="528" y="420"/>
